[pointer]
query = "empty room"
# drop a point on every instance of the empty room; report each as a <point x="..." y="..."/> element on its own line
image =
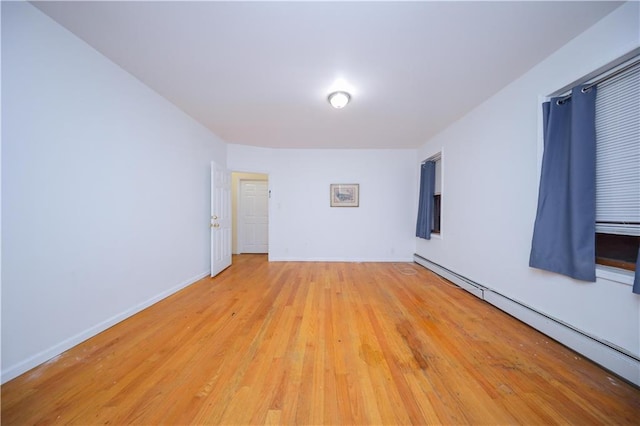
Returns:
<point x="320" y="213"/>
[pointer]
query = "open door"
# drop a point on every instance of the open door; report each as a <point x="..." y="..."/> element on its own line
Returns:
<point x="220" y="219"/>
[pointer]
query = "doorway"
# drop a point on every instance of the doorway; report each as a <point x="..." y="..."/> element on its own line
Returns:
<point x="250" y="212"/>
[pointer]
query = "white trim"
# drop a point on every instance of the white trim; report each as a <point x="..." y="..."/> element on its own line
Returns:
<point x="594" y="349"/>
<point x="540" y="139"/>
<point x="438" y="155"/>
<point x="435" y="155"/>
<point x="269" y="207"/>
<point x="250" y="171"/>
<point x="41" y="357"/>
<point x="618" y="275"/>
<point x="240" y="225"/>
<point x="443" y="198"/>
<point x="340" y="259"/>
<point x="602" y="71"/>
<point x="607" y="68"/>
<point x="458" y="280"/>
<point x="608" y="355"/>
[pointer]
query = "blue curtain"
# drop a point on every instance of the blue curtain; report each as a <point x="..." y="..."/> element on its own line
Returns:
<point x="425" y="203"/>
<point x="564" y="230"/>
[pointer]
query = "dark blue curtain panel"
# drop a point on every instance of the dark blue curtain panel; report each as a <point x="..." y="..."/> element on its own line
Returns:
<point x="425" y="203"/>
<point x="564" y="231"/>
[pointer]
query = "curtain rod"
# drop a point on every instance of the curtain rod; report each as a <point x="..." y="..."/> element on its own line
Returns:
<point x="602" y="79"/>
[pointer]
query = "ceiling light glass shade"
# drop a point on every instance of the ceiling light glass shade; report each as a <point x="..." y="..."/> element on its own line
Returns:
<point x="339" y="99"/>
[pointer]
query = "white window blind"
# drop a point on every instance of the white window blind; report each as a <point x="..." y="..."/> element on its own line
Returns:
<point x="618" y="154"/>
<point x="438" y="183"/>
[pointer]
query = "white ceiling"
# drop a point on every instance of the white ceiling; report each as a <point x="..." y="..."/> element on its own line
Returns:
<point x="259" y="73"/>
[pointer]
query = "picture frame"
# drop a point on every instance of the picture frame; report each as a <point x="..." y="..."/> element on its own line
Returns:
<point x="344" y="194"/>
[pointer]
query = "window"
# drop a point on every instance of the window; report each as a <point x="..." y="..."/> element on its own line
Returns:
<point x="618" y="168"/>
<point x="436" y="214"/>
<point x="430" y="199"/>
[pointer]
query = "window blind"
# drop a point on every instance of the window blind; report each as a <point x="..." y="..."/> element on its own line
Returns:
<point x="438" y="183"/>
<point x="618" y="154"/>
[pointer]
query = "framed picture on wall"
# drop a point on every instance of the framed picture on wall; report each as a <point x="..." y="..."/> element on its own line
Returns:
<point x="344" y="194"/>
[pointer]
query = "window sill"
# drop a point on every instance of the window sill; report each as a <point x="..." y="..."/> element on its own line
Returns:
<point x="615" y="274"/>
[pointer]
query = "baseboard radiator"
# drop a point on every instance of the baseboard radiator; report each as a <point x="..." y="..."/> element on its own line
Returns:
<point x="608" y="355"/>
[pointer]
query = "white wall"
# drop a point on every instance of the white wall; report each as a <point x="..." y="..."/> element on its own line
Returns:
<point x="491" y="186"/>
<point x="302" y="225"/>
<point x="105" y="192"/>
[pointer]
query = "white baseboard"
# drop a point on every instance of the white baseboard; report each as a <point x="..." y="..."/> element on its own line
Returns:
<point x="614" y="359"/>
<point x="473" y="288"/>
<point x="340" y="259"/>
<point x="41" y="357"/>
<point x="596" y="350"/>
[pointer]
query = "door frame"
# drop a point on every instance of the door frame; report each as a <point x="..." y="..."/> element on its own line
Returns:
<point x="240" y="228"/>
<point x="236" y="197"/>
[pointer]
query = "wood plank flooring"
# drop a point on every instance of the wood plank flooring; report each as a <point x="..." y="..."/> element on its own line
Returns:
<point x="320" y="343"/>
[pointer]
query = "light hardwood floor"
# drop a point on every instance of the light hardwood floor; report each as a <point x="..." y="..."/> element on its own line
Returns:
<point x="320" y="343"/>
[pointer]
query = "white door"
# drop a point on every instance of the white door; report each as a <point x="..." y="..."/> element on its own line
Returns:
<point x="220" y="219"/>
<point x="253" y="224"/>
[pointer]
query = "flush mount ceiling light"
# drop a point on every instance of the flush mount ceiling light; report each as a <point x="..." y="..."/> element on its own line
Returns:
<point x="339" y="99"/>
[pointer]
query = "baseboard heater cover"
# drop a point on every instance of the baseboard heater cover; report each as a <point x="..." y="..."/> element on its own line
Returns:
<point x="465" y="283"/>
<point x="603" y="353"/>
